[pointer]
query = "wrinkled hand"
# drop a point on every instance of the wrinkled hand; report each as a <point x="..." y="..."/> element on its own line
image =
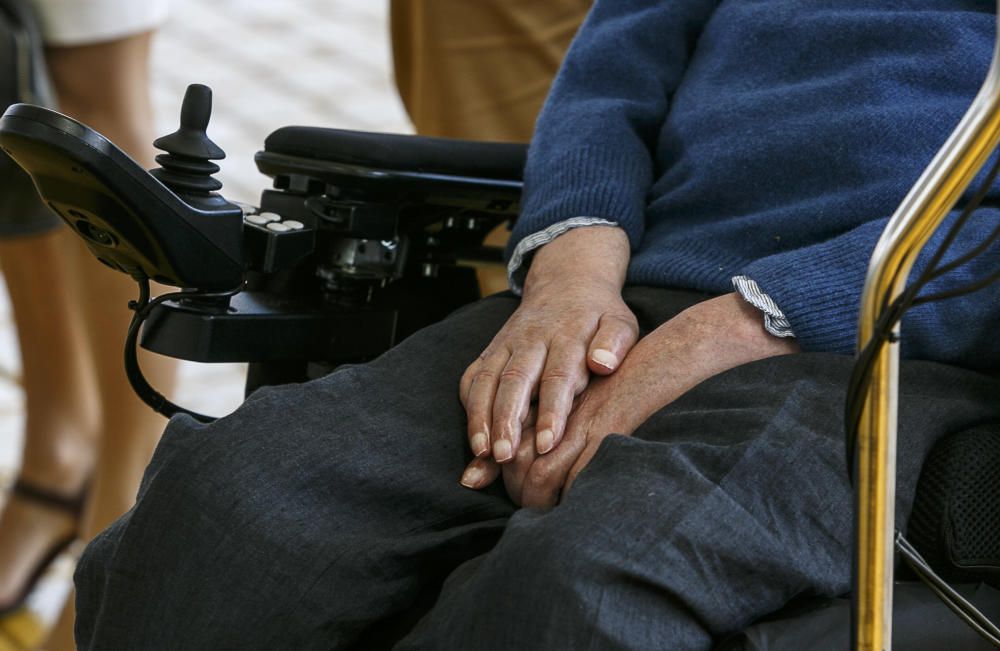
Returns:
<point x="571" y="322"/>
<point x="704" y="340"/>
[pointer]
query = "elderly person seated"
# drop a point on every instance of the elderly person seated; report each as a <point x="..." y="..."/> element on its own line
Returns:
<point x="587" y="466"/>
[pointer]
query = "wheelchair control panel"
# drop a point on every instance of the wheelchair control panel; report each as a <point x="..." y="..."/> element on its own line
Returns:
<point x="363" y="239"/>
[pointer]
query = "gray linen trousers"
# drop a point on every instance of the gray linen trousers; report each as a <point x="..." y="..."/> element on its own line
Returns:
<point x="328" y="515"/>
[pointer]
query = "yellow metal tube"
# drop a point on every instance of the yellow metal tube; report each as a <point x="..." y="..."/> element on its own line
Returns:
<point x="918" y="216"/>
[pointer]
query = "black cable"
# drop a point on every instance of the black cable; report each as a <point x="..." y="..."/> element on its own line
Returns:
<point x="142" y="308"/>
<point x="891" y="314"/>
<point x="931" y="270"/>
<point x="920" y="565"/>
<point x="951" y="598"/>
<point x="974" y="253"/>
<point x="959" y="291"/>
<point x="861" y="377"/>
<point x="861" y="374"/>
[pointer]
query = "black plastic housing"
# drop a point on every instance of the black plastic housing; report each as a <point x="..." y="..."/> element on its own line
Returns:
<point x="129" y="220"/>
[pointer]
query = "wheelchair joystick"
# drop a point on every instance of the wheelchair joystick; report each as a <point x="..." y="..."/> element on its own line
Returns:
<point x="328" y="270"/>
<point x="186" y="167"/>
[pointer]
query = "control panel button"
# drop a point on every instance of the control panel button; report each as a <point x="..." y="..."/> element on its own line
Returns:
<point x="259" y="220"/>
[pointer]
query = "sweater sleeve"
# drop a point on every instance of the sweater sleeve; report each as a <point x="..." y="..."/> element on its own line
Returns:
<point x="592" y="153"/>
<point x="819" y="290"/>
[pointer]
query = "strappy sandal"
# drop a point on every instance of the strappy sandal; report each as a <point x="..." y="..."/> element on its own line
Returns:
<point x="72" y="506"/>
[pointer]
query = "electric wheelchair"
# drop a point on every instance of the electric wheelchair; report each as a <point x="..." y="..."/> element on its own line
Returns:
<point x="364" y="239"/>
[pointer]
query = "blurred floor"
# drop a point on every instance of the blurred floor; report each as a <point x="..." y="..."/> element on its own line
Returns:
<point x="311" y="62"/>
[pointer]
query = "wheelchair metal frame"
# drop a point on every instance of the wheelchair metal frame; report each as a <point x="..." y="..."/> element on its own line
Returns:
<point x="922" y="211"/>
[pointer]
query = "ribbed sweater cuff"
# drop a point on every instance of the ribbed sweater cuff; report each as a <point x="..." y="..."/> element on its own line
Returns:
<point x="819" y="291"/>
<point x="517" y="267"/>
<point x="586" y="181"/>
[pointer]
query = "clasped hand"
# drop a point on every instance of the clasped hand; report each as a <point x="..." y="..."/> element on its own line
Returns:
<point x="572" y="344"/>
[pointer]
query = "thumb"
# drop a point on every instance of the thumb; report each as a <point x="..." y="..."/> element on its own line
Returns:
<point x="616" y="333"/>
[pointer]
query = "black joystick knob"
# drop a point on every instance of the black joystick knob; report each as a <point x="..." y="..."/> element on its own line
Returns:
<point x="186" y="167"/>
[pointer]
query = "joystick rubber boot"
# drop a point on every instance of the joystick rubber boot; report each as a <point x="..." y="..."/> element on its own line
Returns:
<point x="186" y="167"/>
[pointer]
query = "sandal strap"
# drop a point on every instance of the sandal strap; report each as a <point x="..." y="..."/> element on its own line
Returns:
<point x="72" y="505"/>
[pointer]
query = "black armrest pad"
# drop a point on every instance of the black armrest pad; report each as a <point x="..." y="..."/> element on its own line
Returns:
<point x="447" y="156"/>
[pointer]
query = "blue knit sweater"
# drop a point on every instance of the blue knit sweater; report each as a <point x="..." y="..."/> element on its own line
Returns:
<point x="771" y="139"/>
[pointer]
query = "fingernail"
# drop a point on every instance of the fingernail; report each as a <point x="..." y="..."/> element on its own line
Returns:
<point x="544" y="439"/>
<point x="605" y="358"/>
<point x="502" y="450"/>
<point x="472" y="476"/>
<point x="480" y="444"/>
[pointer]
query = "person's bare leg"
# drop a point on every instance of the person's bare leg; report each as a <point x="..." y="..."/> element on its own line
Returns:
<point x="106" y="86"/>
<point x="61" y="426"/>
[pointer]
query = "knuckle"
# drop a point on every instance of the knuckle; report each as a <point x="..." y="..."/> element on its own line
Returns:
<point x="482" y="375"/>
<point x="554" y="408"/>
<point x="506" y="423"/>
<point x="514" y="374"/>
<point x="523" y="458"/>
<point x="476" y="403"/>
<point x="559" y="376"/>
<point x="502" y="423"/>
<point x="528" y="348"/>
<point x="540" y="477"/>
<point x="569" y="341"/>
<point x="626" y="320"/>
<point x="493" y="352"/>
<point x="476" y="419"/>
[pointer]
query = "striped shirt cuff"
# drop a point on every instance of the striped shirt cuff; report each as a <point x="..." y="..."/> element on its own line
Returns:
<point x="775" y="321"/>
<point x="517" y="268"/>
